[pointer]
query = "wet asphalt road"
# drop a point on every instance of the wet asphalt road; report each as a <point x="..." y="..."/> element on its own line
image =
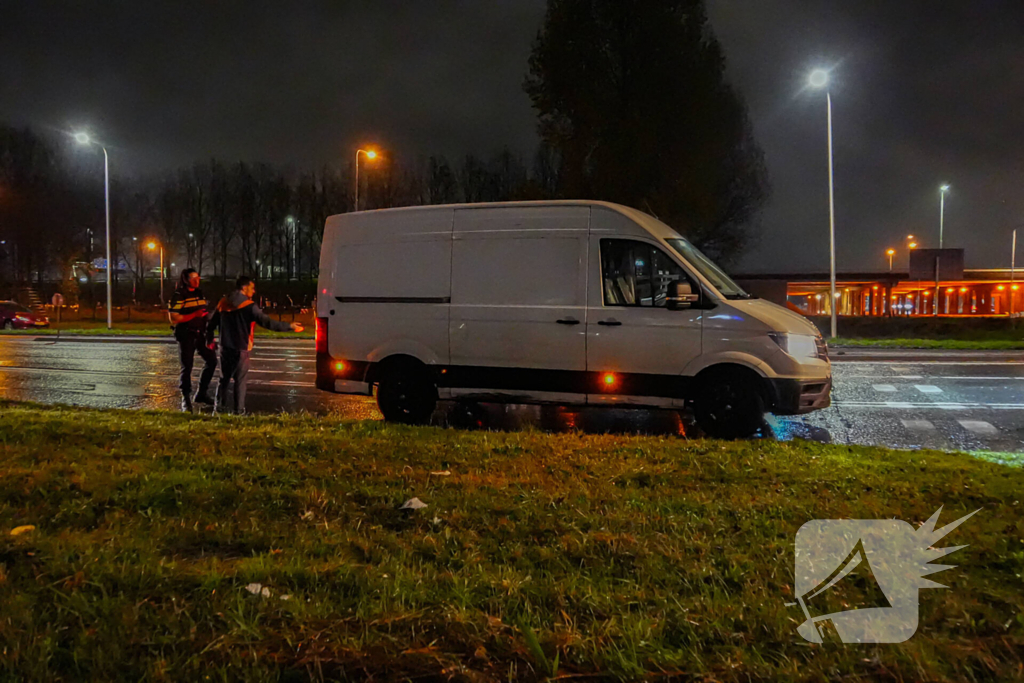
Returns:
<point x="904" y="399"/>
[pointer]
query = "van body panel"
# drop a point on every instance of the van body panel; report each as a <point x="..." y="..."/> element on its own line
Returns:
<point x="385" y="284"/>
<point x="519" y="279"/>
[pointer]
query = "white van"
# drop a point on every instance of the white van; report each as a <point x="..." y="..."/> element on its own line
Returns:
<point x="564" y="302"/>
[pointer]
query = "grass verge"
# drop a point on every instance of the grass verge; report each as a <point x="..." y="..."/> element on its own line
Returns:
<point x="537" y="555"/>
<point x="950" y="344"/>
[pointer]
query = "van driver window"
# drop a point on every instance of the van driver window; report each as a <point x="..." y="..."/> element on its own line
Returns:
<point x="636" y="273"/>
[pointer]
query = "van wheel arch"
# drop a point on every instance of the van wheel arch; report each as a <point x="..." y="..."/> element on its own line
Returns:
<point x="393" y="363"/>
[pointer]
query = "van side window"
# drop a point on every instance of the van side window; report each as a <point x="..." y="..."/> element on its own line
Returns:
<point x="636" y="273"/>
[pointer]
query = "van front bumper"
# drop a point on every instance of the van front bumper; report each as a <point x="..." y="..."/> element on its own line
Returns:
<point x="800" y="396"/>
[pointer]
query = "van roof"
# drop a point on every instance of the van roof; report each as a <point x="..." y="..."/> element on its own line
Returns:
<point x="650" y="223"/>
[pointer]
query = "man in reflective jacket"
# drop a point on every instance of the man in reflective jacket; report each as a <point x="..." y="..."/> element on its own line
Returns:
<point x="187" y="311"/>
<point x="237" y="316"/>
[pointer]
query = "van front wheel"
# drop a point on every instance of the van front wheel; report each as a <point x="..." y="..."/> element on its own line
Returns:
<point x="406" y="395"/>
<point x="729" y="405"/>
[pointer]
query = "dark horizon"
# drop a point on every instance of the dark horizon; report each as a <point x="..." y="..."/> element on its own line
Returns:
<point x="921" y="97"/>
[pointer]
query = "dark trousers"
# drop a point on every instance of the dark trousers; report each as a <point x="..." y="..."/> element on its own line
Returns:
<point x="234" y="365"/>
<point x="188" y="346"/>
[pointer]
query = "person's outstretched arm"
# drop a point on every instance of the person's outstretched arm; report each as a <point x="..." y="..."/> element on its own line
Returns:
<point x="263" y="320"/>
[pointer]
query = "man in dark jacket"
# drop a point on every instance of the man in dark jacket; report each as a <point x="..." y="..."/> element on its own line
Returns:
<point x="187" y="311"/>
<point x="237" y="316"/>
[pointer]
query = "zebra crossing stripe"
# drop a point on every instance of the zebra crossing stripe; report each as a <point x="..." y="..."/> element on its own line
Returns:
<point x="979" y="427"/>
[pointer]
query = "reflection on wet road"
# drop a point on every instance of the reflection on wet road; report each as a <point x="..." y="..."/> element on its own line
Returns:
<point x="933" y="399"/>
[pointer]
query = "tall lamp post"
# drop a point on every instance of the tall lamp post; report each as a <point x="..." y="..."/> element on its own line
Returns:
<point x="942" y="211"/>
<point x="1013" y="271"/>
<point x="151" y="246"/>
<point x="890" y="253"/>
<point x="371" y="155"/>
<point x="818" y="80"/>
<point x="84" y="139"/>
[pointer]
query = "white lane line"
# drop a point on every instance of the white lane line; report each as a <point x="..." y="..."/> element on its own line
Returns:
<point x="926" y="406"/>
<point x="997" y="363"/>
<point x="283" y="372"/>
<point x="933" y="377"/>
<point x="918" y="425"/>
<point x="909" y="376"/>
<point x="888" y="388"/>
<point x="979" y="427"/>
<point x="928" y="389"/>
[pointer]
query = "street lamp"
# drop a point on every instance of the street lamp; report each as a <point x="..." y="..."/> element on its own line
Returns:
<point x="819" y="79"/>
<point x="942" y="211"/>
<point x="890" y="254"/>
<point x="293" y="270"/>
<point x="371" y="155"/>
<point x="84" y="139"/>
<point x="1013" y="271"/>
<point x="151" y="246"/>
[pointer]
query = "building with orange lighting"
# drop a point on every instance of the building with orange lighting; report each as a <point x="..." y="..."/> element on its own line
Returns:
<point x="980" y="292"/>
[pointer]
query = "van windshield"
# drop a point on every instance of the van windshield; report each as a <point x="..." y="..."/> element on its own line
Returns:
<point x="706" y="267"/>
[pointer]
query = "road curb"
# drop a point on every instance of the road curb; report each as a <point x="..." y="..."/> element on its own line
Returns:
<point x="105" y="340"/>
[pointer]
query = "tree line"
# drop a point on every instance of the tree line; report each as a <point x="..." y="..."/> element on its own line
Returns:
<point x="633" y="106"/>
<point x="221" y="218"/>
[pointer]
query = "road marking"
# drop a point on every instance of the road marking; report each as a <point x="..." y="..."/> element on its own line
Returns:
<point x="979" y="427"/>
<point x="994" y="363"/>
<point x="918" y="425"/>
<point x="884" y="387"/>
<point x="910" y="376"/>
<point x="928" y="389"/>
<point x="925" y="406"/>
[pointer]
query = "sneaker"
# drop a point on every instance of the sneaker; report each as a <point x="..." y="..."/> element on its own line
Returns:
<point x="203" y="398"/>
<point x="186" y="404"/>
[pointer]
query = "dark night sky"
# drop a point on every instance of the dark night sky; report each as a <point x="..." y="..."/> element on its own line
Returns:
<point x="924" y="93"/>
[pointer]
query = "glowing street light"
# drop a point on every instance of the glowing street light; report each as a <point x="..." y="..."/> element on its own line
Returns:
<point x="942" y="211"/>
<point x="890" y="253"/>
<point x="371" y="155"/>
<point x="151" y="246"/>
<point x="83" y="138"/>
<point x="819" y="79"/>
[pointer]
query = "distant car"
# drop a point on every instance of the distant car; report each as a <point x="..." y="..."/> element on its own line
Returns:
<point x="14" y="316"/>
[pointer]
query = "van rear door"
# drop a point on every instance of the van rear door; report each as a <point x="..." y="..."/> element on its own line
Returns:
<point x="518" y="310"/>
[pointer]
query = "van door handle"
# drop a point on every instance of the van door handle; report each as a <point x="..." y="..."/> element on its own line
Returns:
<point x="612" y="322"/>
<point x="568" y="321"/>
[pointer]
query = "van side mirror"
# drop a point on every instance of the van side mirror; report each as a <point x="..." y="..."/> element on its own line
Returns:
<point x="681" y="296"/>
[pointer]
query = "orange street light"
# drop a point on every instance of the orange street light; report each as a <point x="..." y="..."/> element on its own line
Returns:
<point x="890" y="254"/>
<point x="912" y="245"/>
<point x="151" y="246"/>
<point x="370" y="154"/>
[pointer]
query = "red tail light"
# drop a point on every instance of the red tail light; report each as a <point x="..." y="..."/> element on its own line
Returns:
<point x="321" y="335"/>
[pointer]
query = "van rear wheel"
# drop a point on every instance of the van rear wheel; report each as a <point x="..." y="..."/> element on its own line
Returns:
<point x="406" y="395"/>
<point x="729" y="405"/>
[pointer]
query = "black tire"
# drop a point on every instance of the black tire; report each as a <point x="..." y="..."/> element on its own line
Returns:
<point x="8" y="324"/>
<point x="406" y="394"/>
<point x="729" y="405"/>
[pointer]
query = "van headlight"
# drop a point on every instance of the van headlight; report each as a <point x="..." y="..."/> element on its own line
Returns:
<point x="799" y="346"/>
